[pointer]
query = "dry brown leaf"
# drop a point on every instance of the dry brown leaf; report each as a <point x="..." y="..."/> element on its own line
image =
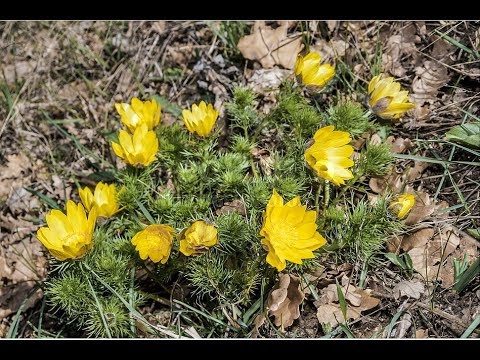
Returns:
<point x="332" y="314"/>
<point x="402" y="326"/>
<point x="422" y="209"/>
<point x="11" y="298"/>
<point x="421" y="334"/>
<point x="23" y="260"/>
<point x="236" y="206"/>
<point x="271" y="46"/>
<point x="330" y="50"/>
<point x="428" y="80"/>
<point x="417" y="239"/>
<point x="417" y="170"/>
<point x="61" y="188"/>
<point x="358" y="300"/>
<point x="399" y="145"/>
<point x="392" y="181"/>
<point x="397" y="46"/>
<point x="263" y="81"/>
<point x="434" y="259"/>
<point x="13" y="173"/>
<point x="20" y="200"/>
<point x="77" y="88"/>
<point x="258" y="323"/>
<point x="284" y="301"/>
<point x="409" y="288"/>
<point x="19" y="70"/>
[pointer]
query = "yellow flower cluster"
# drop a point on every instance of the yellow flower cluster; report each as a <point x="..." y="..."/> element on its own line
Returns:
<point x="139" y="145"/>
<point x="201" y="119"/>
<point x="289" y="230"/>
<point x="70" y="235"/>
<point x="155" y="241"/>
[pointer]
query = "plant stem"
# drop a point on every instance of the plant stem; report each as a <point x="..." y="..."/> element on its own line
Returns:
<point x="326" y="194"/>
<point x="347" y="186"/>
<point x="317" y="196"/>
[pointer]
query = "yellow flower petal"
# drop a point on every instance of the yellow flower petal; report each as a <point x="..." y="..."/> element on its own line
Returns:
<point x="154" y="242"/>
<point x="104" y="199"/>
<point x="200" y="119"/>
<point x="70" y="235"/>
<point x="311" y="72"/>
<point x="402" y="205"/>
<point x="197" y="238"/>
<point x="139" y="149"/>
<point x="330" y="155"/>
<point x="386" y="98"/>
<point x="139" y="113"/>
<point x="289" y="232"/>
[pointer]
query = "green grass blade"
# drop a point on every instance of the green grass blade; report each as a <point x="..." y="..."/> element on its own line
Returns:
<point x="133" y="311"/>
<point x="145" y="212"/>
<point x="394" y="321"/>
<point x="341" y="300"/>
<point x="433" y="161"/>
<point x="12" y="331"/>
<point x="471" y="328"/>
<point x="45" y="198"/>
<point x="248" y="315"/>
<point x="458" y="44"/>
<point x="167" y="106"/>
<point x="100" y="310"/>
<point x="220" y="322"/>
<point x="347" y="331"/>
<point x="468" y="275"/>
<point x="8" y="96"/>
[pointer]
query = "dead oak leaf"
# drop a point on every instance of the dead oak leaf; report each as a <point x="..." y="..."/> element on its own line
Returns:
<point x="409" y="288"/>
<point x="13" y="173"/>
<point x="399" y="145"/>
<point x="11" y="298"/>
<point x="358" y="300"/>
<point x="236" y="206"/>
<point x="434" y="259"/>
<point x="284" y="301"/>
<point x="421" y="210"/>
<point x="397" y="46"/>
<point x="428" y="80"/>
<point x="271" y="46"/>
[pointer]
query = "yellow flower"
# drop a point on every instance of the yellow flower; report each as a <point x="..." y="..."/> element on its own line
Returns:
<point x="104" y="199"/>
<point x="330" y="155"/>
<point x="137" y="149"/>
<point x="68" y="236"/>
<point x="311" y="72"/>
<point x="198" y="238"/>
<point x="402" y="205"/>
<point x="201" y="119"/>
<point x="139" y="113"/>
<point x="385" y="98"/>
<point x="155" y="242"/>
<point x="289" y="231"/>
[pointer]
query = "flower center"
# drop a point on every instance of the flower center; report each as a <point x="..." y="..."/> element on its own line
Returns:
<point x="286" y="234"/>
<point x="74" y="239"/>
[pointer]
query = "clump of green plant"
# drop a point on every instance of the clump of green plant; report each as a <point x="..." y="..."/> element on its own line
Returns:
<point x="218" y="213"/>
<point x="350" y="116"/>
